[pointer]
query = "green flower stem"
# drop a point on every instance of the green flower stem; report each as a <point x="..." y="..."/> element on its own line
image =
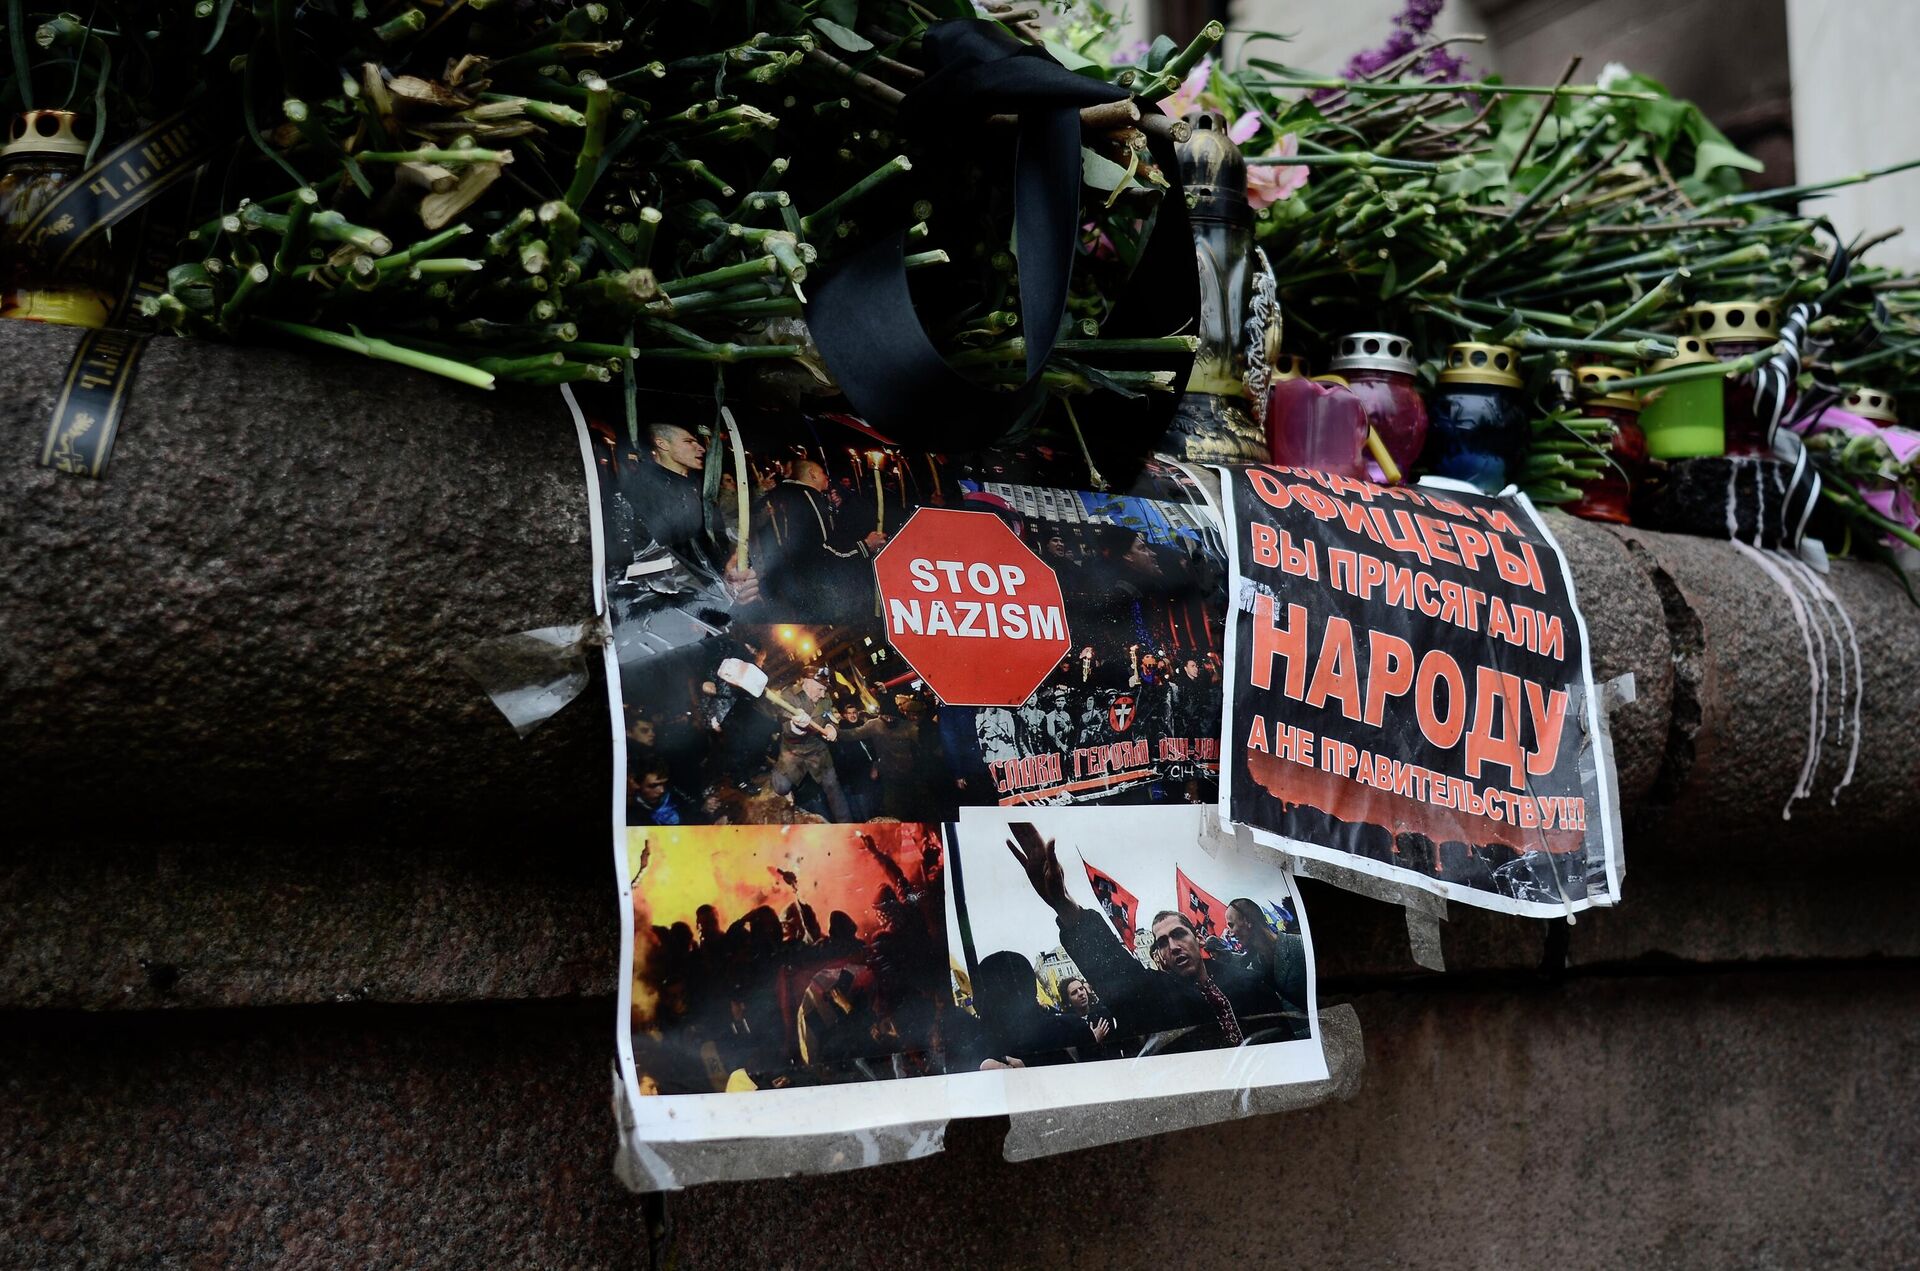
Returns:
<point x="830" y="211"/>
<point x="317" y="136"/>
<point x="1657" y="256"/>
<point x="1655" y="297"/>
<point x="1563" y="159"/>
<point x="758" y="267"/>
<point x="786" y="251"/>
<point x="293" y="235"/>
<point x="406" y="25"/>
<point x="589" y="349"/>
<point x="568" y="373"/>
<point x="502" y="240"/>
<point x="1363" y="161"/>
<point x="382" y="350"/>
<point x="1438" y="269"/>
<point x="586" y="168"/>
<point x="646" y="223"/>
<point x="1478" y="87"/>
<point x="1637" y="350"/>
<point x="251" y="278"/>
<point x="884" y="94"/>
<point x="399" y="261"/>
<point x="561" y="225"/>
<point x="764" y="307"/>
<point x="696" y="301"/>
<point x="701" y="172"/>
<point x="546" y="112"/>
<point x="1874" y="358"/>
<point x="1169" y="76"/>
<point x="626" y="290"/>
<point x="720" y="353"/>
<point x="1698" y="371"/>
<point x="1848" y="496"/>
<point x="335" y="228"/>
<point x="436" y="154"/>
<point x="1800" y="191"/>
<point x="511" y="367"/>
<point x="548" y="54"/>
<point x="446" y="265"/>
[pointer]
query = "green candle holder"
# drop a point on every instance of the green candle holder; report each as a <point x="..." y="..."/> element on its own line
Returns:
<point x="1687" y="420"/>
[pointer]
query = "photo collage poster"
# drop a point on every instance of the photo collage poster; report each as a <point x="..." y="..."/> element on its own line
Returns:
<point x="834" y="878"/>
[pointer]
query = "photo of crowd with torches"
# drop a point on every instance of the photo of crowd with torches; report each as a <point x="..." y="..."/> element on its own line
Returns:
<point x="757" y="680"/>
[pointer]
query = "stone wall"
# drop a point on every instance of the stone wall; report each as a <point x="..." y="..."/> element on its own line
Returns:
<point x="305" y="959"/>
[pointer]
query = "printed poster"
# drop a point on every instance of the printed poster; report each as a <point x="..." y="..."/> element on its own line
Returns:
<point x="1412" y="692"/>
<point x="781" y="972"/>
<point x="834" y="879"/>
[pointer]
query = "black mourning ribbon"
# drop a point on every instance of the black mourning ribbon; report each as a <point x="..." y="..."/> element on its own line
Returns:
<point x="862" y="315"/>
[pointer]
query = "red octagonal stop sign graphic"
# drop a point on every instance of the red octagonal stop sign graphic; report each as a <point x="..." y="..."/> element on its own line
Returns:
<point x="971" y="608"/>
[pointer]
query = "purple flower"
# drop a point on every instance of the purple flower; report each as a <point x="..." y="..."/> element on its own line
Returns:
<point x="1411" y="28"/>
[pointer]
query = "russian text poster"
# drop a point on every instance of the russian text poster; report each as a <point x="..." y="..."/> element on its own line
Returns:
<point x="1411" y="692"/>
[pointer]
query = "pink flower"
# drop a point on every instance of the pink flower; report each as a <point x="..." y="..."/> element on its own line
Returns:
<point x="1268" y="183"/>
<point x="1244" y="128"/>
<point x="1185" y="99"/>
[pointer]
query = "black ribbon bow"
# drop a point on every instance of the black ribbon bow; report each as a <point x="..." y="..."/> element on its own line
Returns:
<point x="862" y="315"/>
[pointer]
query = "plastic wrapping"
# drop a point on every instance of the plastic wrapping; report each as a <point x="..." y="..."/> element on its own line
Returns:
<point x="531" y="675"/>
<point x="1041" y="1133"/>
<point x="647" y="1164"/>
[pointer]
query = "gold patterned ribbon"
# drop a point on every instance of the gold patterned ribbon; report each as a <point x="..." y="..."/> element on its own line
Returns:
<point x="130" y="176"/>
<point x="87" y="415"/>
<point x="88" y="412"/>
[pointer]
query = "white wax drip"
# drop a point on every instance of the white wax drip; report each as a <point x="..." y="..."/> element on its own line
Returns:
<point x="1820" y="588"/>
<point x="1816" y="676"/>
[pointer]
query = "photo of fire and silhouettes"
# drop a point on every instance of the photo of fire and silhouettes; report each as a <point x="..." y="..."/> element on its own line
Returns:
<point x="769" y="957"/>
<point x="759" y="687"/>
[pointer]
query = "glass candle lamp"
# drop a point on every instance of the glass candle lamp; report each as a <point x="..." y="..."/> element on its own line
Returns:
<point x="1609" y="498"/>
<point x="1379" y="368"/>
<point x="1684" y="420"/>
<point x="1733" y="330"/>
<point x="1316" y="423"/>
<point x="43" y="155"/>
<point x="1480" y="425"/>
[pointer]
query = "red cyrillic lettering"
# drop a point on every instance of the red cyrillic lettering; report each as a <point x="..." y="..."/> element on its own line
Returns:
<point x="1438" y="536"/>
<point x="1497" y="518"/>
<point x="1548" y="713"/>
<point x="1372" y="573"/>
<point x="1271" y="640"/>
<point x="1320" y="504"/>
<point x="1553" y="637"/>
<point x="1471" y="542"/>
<point x="1398" y="532"/>
<point x="1399" y="585"/>
<point x="1265" y="542"/>
<point x="1298" y="560"/>
<point x="1269" y="488"/>
<point x="1425" y="589"/>
<point x="1436" y="666"/>
<point x="1335" y="675"/>
<point x="1496" y="689"/>
<point x="1389" y="672"/>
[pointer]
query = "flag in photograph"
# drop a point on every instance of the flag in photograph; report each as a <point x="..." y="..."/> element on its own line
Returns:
<point x="1121" y="906"/>
<point x="1205" y="912"/>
